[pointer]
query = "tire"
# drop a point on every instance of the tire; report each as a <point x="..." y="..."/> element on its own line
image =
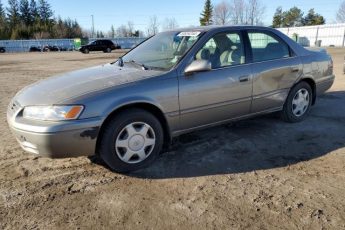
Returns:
<point x="86" y="51"/>
<point x="108" y="50"/>
<point x="298" y="103"/>
<point x="124" y="152"/>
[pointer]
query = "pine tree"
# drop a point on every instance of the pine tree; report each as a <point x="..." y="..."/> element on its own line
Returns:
<point x="12" y="13"/>
<point x="45" y="11"/>
<point x="33" y="10"/>
<point x="2" y="11"/>
<point x="293" y="17"/>
<point x="313" y="18"/>
<point x="278" y="18"/>
<point x="2" y="15"/>
<point x="25" y="13"/>
<point x="206" y="15"/>
<point x="13" y="18"/>
<point x="3" y="23"/>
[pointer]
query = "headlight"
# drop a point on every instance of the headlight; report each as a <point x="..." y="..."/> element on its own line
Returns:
<point x="53" y="113"/>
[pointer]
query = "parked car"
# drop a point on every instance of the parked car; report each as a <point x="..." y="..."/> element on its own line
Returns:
<point x="2" y="49"/>
<point x="99" y="45"/>
<point x="35" y="49"/>
<point x="49" y="48"/>
<point x="173" y="83"/>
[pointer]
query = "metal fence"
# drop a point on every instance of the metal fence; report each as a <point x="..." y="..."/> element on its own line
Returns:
<point x="25" y="45"/>
<point x="323" y="35"/>
<point x="62" y="44"/>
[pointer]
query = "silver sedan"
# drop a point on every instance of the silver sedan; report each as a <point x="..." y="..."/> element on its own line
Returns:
<point x="173" y="83"/>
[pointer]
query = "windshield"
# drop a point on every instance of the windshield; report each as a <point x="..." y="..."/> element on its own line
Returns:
<point x="163" y="50"/>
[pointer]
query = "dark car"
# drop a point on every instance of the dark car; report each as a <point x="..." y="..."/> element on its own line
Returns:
<point x="2" y="49"/>
<point x="34" y="49"/>
<point x="99" y="45"/>
<point x="49" y="48"/>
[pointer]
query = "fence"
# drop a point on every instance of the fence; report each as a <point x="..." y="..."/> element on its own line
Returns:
<point x="62" y="44"/>
<point x="323" y="35"/>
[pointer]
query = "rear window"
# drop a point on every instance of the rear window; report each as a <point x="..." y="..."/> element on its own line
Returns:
<point x="266" y="47"/>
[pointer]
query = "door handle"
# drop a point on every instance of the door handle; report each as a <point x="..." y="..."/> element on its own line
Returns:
<point x="244" y="78"/>
<point x="295" y="69"/>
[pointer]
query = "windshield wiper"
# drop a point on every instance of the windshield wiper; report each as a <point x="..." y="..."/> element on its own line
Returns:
<point x="138" y="64"/>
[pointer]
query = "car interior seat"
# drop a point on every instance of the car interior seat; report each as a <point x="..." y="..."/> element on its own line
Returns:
<point x="233" y="56"/>
<point x="275" y="51"/>
<point x="204" y="54"/>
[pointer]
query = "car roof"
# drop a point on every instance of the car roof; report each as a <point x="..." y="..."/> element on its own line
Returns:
<point x="217" y="27"/>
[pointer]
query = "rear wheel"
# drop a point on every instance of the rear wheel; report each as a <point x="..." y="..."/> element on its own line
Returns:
<point x="108" y="50"/>
<point x="131" y="140"/>
<point x="298" y="103"/>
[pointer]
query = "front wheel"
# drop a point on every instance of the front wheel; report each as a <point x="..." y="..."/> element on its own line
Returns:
<point x="131" y="140"/>
<point x="298" y="103"/>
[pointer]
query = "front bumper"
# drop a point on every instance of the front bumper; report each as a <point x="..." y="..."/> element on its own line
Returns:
<point x="56" y="139"/>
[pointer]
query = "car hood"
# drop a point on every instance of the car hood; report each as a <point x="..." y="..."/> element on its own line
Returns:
<point x="58" y="89"/>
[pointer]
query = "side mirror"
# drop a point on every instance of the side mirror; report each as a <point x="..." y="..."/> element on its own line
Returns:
<point x="198" y="66"/>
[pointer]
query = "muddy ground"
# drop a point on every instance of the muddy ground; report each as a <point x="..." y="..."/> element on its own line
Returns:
<point x="260" y="173"/>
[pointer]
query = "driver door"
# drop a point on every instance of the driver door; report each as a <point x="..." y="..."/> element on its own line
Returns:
<point x="222" y="93"/>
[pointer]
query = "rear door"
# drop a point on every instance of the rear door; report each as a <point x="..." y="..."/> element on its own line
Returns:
<point x="275" y="69"/>
<point x="99" y="46"/>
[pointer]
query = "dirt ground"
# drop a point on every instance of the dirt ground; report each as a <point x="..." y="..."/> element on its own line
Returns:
<point x="260" y="173"/>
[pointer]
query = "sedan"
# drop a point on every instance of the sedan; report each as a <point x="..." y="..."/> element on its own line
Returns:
<point x="175" y="82"/>
<point x="99" y="45"/>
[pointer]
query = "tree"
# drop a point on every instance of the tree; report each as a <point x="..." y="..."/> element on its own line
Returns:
<point x="293" y="17"/>
<point x="3" y="23"/>
<point x="170" y="24"/>
<point x="152" y="28"/>
<point x="206" y="15"/>
<point x="255" y="12"/>
<point x="45" y="11"/>
<point x="278" y="18"/>
<point x="12" y="13"/>
<point x="24" y="19"/>
<point x="130" y="28"/>
<point x="313" y="18"/>
<point x="341" y="12"/>
<point x="238" y="9"/>
<point x="34" y="11"/>
<point x="25" y="14"/>
<point x="222" y="13"/>
<point x="112" y="31"/>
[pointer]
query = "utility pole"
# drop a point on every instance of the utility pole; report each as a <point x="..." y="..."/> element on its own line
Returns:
<point x="93" y="27"/>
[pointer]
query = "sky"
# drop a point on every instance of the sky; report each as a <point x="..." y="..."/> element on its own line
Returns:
<point x="186" y="12"/>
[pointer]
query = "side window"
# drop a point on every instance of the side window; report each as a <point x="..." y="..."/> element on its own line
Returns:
<point x="224" y="49"/>
<point x="266" y="47"/>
